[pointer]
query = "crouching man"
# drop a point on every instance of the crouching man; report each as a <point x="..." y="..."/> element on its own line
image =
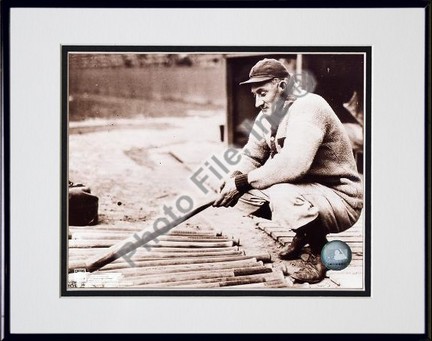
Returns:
<point x="299" y="161"/>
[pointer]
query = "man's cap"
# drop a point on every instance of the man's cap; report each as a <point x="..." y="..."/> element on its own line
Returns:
<point x="265" y="70"/>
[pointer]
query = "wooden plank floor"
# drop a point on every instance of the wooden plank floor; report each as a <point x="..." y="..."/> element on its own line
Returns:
<point x="201" y="256"/>
<point x="348" y="278"/>
<point x="185" y="258"/>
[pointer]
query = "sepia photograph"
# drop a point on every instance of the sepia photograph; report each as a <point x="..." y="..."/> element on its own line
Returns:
<point x="215" y="171"/>
<point x="172" y="170"/>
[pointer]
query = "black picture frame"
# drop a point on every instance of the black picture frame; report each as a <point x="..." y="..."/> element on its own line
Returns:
<point x="6" y="75"/>
<point x="365" y="51"/>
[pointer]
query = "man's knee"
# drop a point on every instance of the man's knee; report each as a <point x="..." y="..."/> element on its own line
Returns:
<point x="252" y="201"/>
<point x="289" y="206"/>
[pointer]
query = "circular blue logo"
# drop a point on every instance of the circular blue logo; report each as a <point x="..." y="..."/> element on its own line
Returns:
<point x="336" y="255"/>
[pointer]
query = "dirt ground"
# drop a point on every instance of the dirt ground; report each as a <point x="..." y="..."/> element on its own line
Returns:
<point x="136" y="166"/>
<point x="131" y="166"/>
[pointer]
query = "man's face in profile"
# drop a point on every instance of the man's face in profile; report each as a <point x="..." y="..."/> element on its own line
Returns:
<point x="268" y="96"/>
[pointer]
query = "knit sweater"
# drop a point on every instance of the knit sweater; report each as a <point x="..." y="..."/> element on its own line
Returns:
<point x="310" y="145"/>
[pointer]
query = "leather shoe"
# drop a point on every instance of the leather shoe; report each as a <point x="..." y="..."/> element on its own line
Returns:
<point x="292" y="251"/>
<point x="313" y="272"/>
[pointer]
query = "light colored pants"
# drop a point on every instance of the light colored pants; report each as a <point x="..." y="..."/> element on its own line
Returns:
<point x="295" y="205"/>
